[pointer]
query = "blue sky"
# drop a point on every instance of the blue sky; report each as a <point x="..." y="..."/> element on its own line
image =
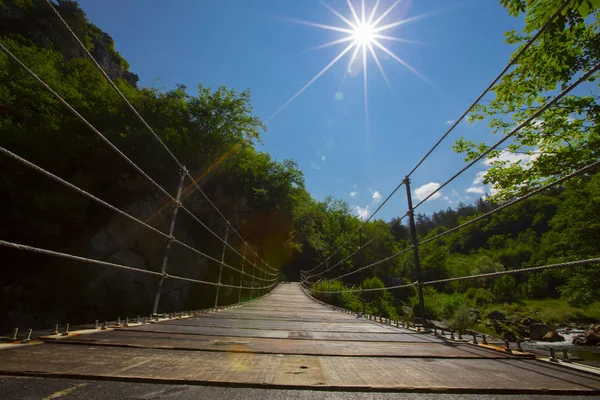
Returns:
<point x="255" y="44"/>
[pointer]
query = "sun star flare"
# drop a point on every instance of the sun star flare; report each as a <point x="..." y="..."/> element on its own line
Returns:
<point x="363" y="31"/>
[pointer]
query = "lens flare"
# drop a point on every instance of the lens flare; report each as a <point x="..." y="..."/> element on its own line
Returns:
<point x="364" y="32"/>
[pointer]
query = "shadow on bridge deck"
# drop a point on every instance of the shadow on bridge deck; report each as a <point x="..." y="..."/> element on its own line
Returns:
<point x="285" y="341"/>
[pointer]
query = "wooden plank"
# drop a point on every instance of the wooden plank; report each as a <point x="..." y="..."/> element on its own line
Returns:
<point x="296" y="371"/>
<point x="285" y="334"/>
<point x="284" y="346"/>
<point x="281" y="325"/>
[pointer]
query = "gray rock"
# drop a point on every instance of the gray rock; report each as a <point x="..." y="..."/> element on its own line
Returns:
<point x="510" y="336"/>
<point x="592" y="339"/>
<point x="529" y="321"/>
<point x="497" y="315"/>
<point x="553" y="336"/>
<point x="539" y="330"/>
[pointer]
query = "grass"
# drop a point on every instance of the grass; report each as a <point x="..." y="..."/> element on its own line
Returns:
<point x="550" y="311"/>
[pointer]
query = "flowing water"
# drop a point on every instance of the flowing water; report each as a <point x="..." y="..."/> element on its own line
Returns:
<point x="585" y="353"/>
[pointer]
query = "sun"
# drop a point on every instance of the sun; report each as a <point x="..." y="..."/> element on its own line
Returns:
<point x="364" y="33"/>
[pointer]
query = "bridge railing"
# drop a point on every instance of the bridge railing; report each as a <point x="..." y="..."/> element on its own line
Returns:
<point x="263" y="277"/>
<point x="324" y="273"/>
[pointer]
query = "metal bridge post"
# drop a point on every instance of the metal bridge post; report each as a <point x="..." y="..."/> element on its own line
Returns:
<point x="253" y="272"/>
<point x="163" y="269"/>
<point x="221" y="265"/>
<point x="242" y="274"/>
<point x="262" y="276"/>
<point x="362" y="275"/>
<point x="415" y="244"/>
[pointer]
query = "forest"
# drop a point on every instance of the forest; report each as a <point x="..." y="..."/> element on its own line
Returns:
<point x="216" y="135"/>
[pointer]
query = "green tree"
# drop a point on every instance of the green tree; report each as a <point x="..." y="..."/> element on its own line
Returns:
<point x="566" y="136"/>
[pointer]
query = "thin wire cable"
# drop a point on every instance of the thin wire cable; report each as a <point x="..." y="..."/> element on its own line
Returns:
<point x="478" y="276"/>
<point x="517" y="271"/>
<point x="512" y="202"/>
<point x="100" y="135"/>
<point x="82" y="119"/>
<point x="55" y="178"/>
<point x="360" y="227"/>
<point x="371" y="265"/>
<point x="37" y="250"/>
<point x="534" y="192"/>
<point x="110" y="81"/>
<point x="382" y="204"/>
<point x="388" y="227"/>
<point x="50" y="175"/>
<point x="231" y="227"/>
<point x="139" y="116"/>
<point x="515" y="130"/>
<point x="512" y="62"/>
<point x="555" y="183"/>
<point x="365" y="290"/>
<point x="220" y="263"/>
<point x="191" y="214"/>
<point x="491" y="85"/>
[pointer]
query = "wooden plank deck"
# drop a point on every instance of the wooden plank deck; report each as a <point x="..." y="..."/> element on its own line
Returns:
<point x="289" y="341"/>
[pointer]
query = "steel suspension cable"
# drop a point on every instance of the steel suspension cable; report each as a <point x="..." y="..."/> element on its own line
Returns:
<point x="512" y="62"/>
<point x="536" y="114"/>
<point x="110" y="81"/>
<point x="88" y="124"/>
<point x="231" y="227"/>
<point x="69" y="185"/>
<point x="514" y="201"/>
<point x="517" y="271"/>
<point x="477" y="276"/>
<point x="506" y="205"/>
<point x="102" y="137"/>
<point x="391" y="224"/>
<point x="361" y="226"/>
<point x="37" y="250"/>
<point x="139" y="116"/>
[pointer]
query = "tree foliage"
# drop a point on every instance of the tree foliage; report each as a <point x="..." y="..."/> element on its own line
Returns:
<point x="565" y="137"/>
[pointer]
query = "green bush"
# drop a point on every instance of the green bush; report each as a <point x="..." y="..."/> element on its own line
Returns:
<point x="479" y="297"/>
<point x="462" y="319"/>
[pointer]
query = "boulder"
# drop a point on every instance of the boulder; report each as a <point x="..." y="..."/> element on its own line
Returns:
<point x="538" y="331"/>
<point x="591" y="339"/>
<point x="527" y="321"/>
<point x="510" y="336"/>
<point x="578" y="340"/>
<point x="475" y="312"/>
<point x="597" y="328"/>
<point x="497" y="315"/>
<point x="553" y="336"/>
<point x="523" y="331"/>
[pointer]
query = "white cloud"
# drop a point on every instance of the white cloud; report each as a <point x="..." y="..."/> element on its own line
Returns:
<point x="479" y="177"/>
<point x="476" y="190"/>
<point x="450" y="121"/>
<point x="477" y="187"/>
<point x="512" y="158"/>
<point x="362" y="212"/>
<point x="323" y="158"/>
<point x="455" y="197"/>
<point x="376" y="197"/>
<point x="423" y="191"/>
<point x="353" y="194"/>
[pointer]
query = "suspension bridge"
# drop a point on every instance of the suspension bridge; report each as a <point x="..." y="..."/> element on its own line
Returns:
<point x="277" y="336"/>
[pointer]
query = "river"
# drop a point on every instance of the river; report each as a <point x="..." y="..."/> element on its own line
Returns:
<point x="590" y="354"/>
